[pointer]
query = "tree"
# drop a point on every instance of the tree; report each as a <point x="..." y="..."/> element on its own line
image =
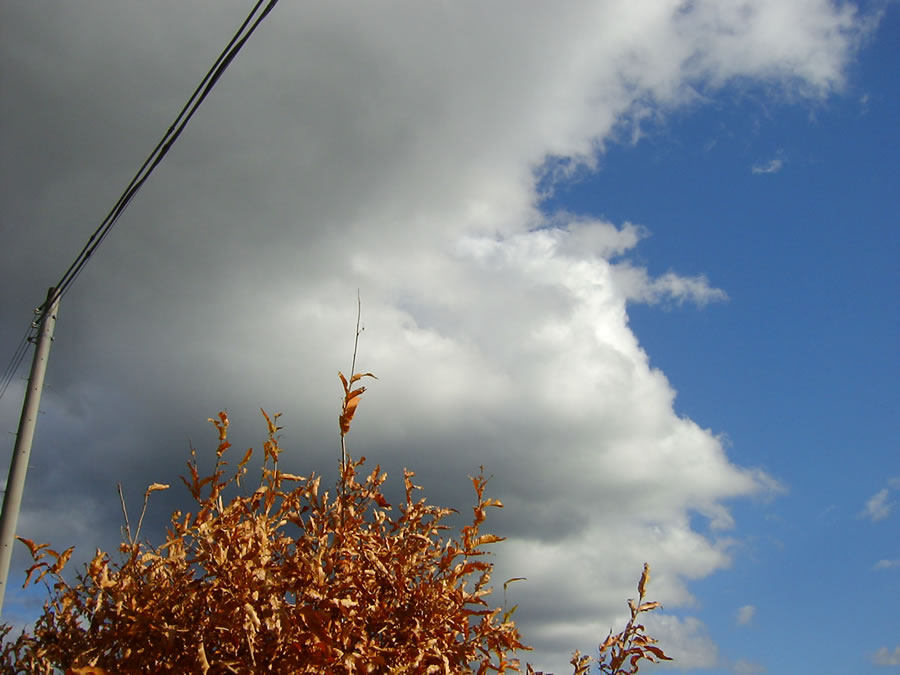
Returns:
<point x="291" y="579"/>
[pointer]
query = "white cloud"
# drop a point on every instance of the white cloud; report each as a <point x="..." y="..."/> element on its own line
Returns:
<point x="637" y="285"/>
<point x="772" y="166"/>
<point x="685" y="640"/>
<point x="887" y="657"/>
<point x="388" y="154"/>
<point x="745" y="615"/>
<point x="598" y="239"/>
<point x="743" y="667"/>
<point x="886" y="564"/>
<point x="878" y="507"/>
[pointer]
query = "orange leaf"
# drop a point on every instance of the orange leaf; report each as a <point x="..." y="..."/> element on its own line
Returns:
<point x="347" y="416"/>
<point x="63" y="559"/>
<point x="289" y="476"/>
<point x="246" y="458"/>
<point x="659" y="653"/>
<point x="645" y="577"/>
<point x="34" y="548"/>
<point x="356" y="392"/>
<point x="609" y="641"/>
<point x="30" y="571"/>
<point x="268" y="420"/>
<point x="487" y="539"/>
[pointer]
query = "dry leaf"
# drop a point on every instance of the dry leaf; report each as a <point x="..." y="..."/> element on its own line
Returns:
<point x="645" y="577"/>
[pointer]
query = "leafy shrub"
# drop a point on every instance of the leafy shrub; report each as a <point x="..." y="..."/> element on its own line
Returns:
<point x="290" y="579"/>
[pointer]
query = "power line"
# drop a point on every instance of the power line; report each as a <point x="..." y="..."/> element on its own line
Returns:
<point x="162" y="148"/>
<point x="238" y="40"/>
<point x="13" y="366"/>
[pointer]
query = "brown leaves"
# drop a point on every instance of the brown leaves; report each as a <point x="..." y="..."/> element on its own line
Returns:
<point x="351" y="399"/>
<point x="620" y="654"/>
<point x="288" y="579"/>
<point x="293" y="580"/>
<point x="38" y="553"/>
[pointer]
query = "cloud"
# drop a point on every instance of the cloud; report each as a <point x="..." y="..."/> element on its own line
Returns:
<point x="685" y="640"/>
<point x="878" y="507"/>
<point x="637" y="285"/>
<point x="745" y="615"/>
<point x="772" y="166"/>
<point x="886" y="564"/>
<point x="372" y="148"/>
<point x="743" y="667"/>
<point x="887" y="657"/>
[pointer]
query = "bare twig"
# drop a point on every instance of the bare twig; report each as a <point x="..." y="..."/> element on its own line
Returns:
<point x="352" y="373"/>
<point x="137" y="533"/>
<point x="125" y="513"/>
<point x="356" y="340"/>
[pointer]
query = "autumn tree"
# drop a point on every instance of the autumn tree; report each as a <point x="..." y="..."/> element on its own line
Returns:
<point x="291" y="578"/>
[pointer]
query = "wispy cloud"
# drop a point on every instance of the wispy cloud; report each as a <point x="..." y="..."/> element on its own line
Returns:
<point x="772" y="166"/>
<point x="887" y="657"/>
<point x="886" y="564"/>
<point x="864" y="104"/>
<point x="745" y="615"/>
<point x="638" y="286"/>
<point x="878" y="507"/>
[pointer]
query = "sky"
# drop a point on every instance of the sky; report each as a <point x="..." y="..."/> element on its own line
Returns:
<point x="635" y="259"/>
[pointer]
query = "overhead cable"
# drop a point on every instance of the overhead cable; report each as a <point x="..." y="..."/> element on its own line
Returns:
<point x="238" y="40"/>
<point x="13" y="366"/>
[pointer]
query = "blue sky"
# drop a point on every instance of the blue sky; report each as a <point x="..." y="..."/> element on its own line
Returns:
<point x="799" y="368"/>
<point x="594" y="367"/>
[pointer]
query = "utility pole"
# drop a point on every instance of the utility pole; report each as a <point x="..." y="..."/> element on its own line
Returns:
<point x="18" y="466"/>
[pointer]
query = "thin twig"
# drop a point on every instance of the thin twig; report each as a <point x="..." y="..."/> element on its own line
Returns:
<point x="356" y="341"/>
<point x="137" y="534"/>
<point x="125" y="513"/>
<point x="352" y="372"/>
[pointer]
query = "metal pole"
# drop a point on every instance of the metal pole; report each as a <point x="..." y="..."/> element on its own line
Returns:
<point x="18" y="466"/>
